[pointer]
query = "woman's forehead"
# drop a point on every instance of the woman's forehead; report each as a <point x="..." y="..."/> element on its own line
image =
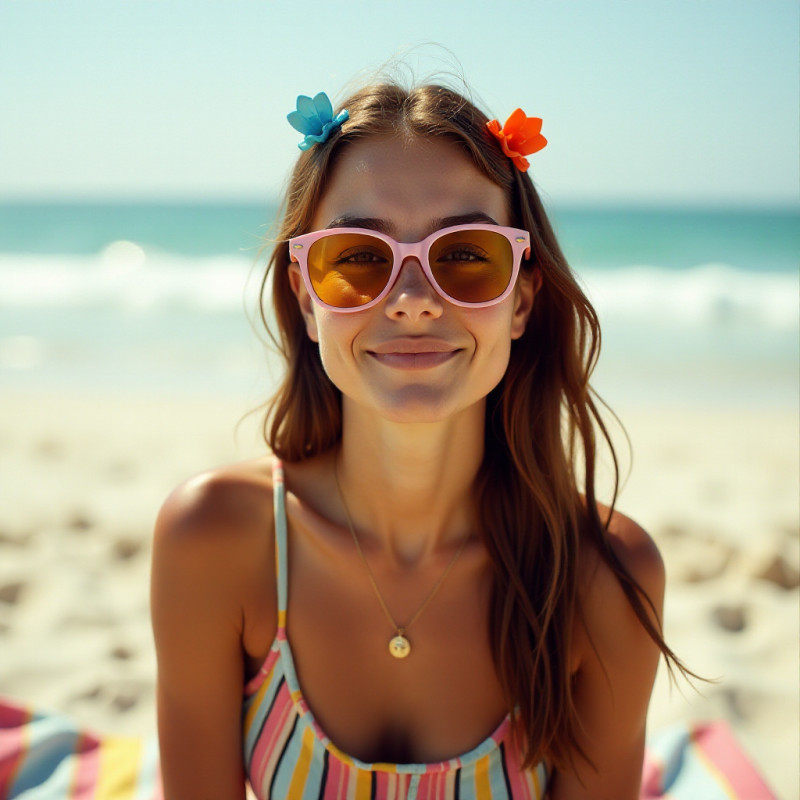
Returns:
<point x="407" y="182"/>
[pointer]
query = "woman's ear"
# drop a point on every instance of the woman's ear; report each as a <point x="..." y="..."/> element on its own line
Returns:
<point x="528" y="285"/>
<point x="304" y="301"/>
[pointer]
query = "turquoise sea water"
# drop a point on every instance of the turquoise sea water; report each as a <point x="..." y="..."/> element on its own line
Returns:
<point x="697" y="306"/>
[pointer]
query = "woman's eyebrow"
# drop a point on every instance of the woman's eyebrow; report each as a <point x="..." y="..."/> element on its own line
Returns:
<point x="381" y="225"/>
<point x="462" y="219"/>
<point x="371" y="223"/>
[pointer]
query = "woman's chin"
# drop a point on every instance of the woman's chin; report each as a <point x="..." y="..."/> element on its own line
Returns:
<point x="420" y="405"/>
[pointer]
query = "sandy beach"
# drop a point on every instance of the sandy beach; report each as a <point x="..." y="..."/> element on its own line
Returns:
<point x="83" y="477"/>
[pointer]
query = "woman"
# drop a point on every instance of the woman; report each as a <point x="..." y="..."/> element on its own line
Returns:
<point x="437" y="606"/>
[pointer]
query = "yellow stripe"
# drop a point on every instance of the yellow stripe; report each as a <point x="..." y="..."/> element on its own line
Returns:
<point x="120" y="762"/>
<point x="363" y="785"/>
<point x="281" y="619"/>
<point x="537" y="787"/>
<point x="301" y="769"/>
<point x="723" y="782"/>
<point x="483" y="789"/>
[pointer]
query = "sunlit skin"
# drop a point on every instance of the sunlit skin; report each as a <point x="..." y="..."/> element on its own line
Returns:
<point x="414" y="371"/>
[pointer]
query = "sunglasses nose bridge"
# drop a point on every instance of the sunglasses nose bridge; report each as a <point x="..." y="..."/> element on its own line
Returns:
<point x="406" y="254"/>
<point x="406" y="250"/>
<point x="414" y="252"/>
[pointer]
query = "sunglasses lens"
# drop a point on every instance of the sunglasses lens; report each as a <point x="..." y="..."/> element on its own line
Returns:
<point x="348" y="270"/>
<point x="472" y="266"/>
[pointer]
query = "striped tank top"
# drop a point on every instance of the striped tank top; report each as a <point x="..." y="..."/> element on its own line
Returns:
<point x="287" y="755"/>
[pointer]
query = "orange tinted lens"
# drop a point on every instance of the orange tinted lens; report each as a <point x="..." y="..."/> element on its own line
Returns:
<point x="348" y="270"/>
<point x="472" y="266"/>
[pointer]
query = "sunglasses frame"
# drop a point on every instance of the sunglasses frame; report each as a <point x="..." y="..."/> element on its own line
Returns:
<point x="520" y="241"/>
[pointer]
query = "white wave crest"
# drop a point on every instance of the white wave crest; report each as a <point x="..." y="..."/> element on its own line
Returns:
<point x="124" y="276"/>
<point x="712" y="295"/>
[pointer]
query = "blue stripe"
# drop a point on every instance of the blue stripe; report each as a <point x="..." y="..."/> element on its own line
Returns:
<point x="497" y="777"/>
<point x="52" y="743"/>
<point x="315" y="784"/>
<point x="466" y="783"/>
<point x="148" y="771"/>
<point x="287" y="763"/>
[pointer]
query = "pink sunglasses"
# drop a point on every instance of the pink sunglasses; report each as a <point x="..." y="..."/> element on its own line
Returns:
<point x="351" y="269"/>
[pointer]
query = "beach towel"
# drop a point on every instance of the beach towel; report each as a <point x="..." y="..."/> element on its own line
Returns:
<point x="48" y="757"/>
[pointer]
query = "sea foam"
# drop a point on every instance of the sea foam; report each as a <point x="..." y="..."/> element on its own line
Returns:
<point x="124" y="276"/>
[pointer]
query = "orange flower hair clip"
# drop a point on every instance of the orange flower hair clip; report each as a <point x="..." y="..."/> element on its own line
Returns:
<point x="519" y="137"/>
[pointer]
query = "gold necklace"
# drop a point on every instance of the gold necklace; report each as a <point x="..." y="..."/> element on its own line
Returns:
<point x="399" y="645"/>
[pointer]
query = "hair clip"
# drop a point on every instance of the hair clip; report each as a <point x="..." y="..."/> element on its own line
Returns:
<point x="519" y="137"/>
<point x="314" y="117"/>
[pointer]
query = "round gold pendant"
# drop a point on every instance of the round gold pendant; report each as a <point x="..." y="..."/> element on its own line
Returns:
<point x="399" y="646"/>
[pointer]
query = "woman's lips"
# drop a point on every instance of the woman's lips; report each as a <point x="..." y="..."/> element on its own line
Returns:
<point x="413" y="353"/>
<point x="413" y="360"/>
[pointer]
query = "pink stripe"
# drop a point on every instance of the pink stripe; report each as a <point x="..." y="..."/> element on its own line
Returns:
<point x="338" y="779"/>
<point x="652" y="773"/>
<point x="519" y="786"/>
<point x="386" y="785"/>
<point x="721" y="749"/>
<point x="436" y="782"/>
<point x="13" y="747"/>
<point x="253" y="685"/>
<point x="332" y="779"/>
<point x="275" y="730"/>
<point x="437" y="786"/>
<point x="84" y="778"/>
<point x="158" y="794"/>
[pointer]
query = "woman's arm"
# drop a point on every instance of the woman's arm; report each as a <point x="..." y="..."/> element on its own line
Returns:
<point x="200" y="562"/>
<point x="612" y="692"/>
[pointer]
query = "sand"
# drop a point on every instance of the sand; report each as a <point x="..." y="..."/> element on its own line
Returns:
<point x="83" y="478"/>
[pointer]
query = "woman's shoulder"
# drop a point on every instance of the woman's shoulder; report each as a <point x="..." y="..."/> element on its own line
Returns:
<point x="608" y="620"/>
<point x="225" y="502"/>
<point x="633" y="547"/>
<point x="214" y="526"/>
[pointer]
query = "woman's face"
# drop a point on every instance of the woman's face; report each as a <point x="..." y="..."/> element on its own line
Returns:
<point x="414" y="357"/>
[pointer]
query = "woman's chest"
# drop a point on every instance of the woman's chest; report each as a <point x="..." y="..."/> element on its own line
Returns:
<point x="441" y="700"/>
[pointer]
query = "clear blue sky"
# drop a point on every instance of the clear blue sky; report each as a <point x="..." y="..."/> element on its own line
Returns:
<point x="687" y="101"/>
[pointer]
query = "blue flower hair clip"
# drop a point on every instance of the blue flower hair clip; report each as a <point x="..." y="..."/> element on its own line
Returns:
<point x="314" y="117"/>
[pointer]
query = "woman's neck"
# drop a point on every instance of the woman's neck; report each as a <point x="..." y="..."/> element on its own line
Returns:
<point x="408" y="487"/>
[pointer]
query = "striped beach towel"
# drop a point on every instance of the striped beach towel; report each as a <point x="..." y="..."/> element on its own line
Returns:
<point x="48" y="757"/>
<point x="700" y="761"/>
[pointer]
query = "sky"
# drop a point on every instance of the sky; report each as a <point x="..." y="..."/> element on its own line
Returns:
<point x="688" y="102"/>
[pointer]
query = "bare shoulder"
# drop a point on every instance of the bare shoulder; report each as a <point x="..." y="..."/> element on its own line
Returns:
<point x="211" y="605"/>
<point x="614" y="662"/>
<point x="214" y="545"/>
<point x="637" y="552"/>
<point x="217" y="504"/>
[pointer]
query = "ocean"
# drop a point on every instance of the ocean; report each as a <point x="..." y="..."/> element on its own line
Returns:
<point x="698" y="306"/>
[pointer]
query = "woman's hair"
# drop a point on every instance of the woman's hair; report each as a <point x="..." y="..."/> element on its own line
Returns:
<point x="535" y="491"/>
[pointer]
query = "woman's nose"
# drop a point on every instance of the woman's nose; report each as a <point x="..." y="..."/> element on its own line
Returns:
<point x="412" y="295"/>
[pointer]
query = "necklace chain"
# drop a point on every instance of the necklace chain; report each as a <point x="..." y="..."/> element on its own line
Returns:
<point x="400" y="630"/>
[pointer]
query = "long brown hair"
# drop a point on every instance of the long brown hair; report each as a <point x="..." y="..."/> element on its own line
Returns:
<point x="535" y="490"/>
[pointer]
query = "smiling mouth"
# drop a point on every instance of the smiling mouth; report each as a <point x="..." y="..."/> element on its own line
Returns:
<point x="417" y="360"/>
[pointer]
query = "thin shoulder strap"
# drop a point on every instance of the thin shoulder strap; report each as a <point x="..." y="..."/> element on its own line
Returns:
<point x="281" y="568"/>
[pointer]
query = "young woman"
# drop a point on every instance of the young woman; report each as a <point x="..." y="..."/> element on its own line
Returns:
<point x="418" y="594"/>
